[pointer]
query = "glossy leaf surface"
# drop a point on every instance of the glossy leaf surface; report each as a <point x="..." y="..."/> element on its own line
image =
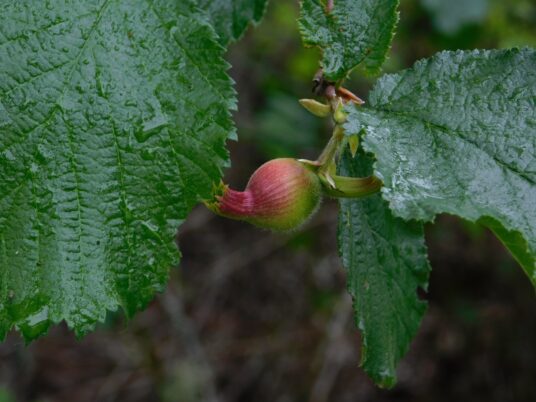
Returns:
<point x="231" y="18"/>
<point x="113" y="121"/>
<point x="457" y="134"/>
<point x="385" y="259"/>
<point x="353" y="32"/>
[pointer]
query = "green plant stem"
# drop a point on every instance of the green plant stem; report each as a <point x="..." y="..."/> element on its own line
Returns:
<point x="329" y="152"/>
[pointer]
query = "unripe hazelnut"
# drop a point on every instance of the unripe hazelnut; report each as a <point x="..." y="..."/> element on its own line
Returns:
<point x="280" y="195"/>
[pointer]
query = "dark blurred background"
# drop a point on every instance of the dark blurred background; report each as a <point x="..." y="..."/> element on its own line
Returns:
<point x="256" y="316"/>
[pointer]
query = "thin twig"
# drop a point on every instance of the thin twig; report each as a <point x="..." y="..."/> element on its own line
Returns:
<point x="334" y="352"/>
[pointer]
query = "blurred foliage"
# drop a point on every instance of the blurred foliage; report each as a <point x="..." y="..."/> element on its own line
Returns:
<point x="284" y="127"/>
<point x="449" y="16"/>
<point x="5" y="395"/>
<point x="273" y="70"/>
<point x="186" y="383"/>
<point x="512" y="23"/>
<point x="500" y="24"/>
